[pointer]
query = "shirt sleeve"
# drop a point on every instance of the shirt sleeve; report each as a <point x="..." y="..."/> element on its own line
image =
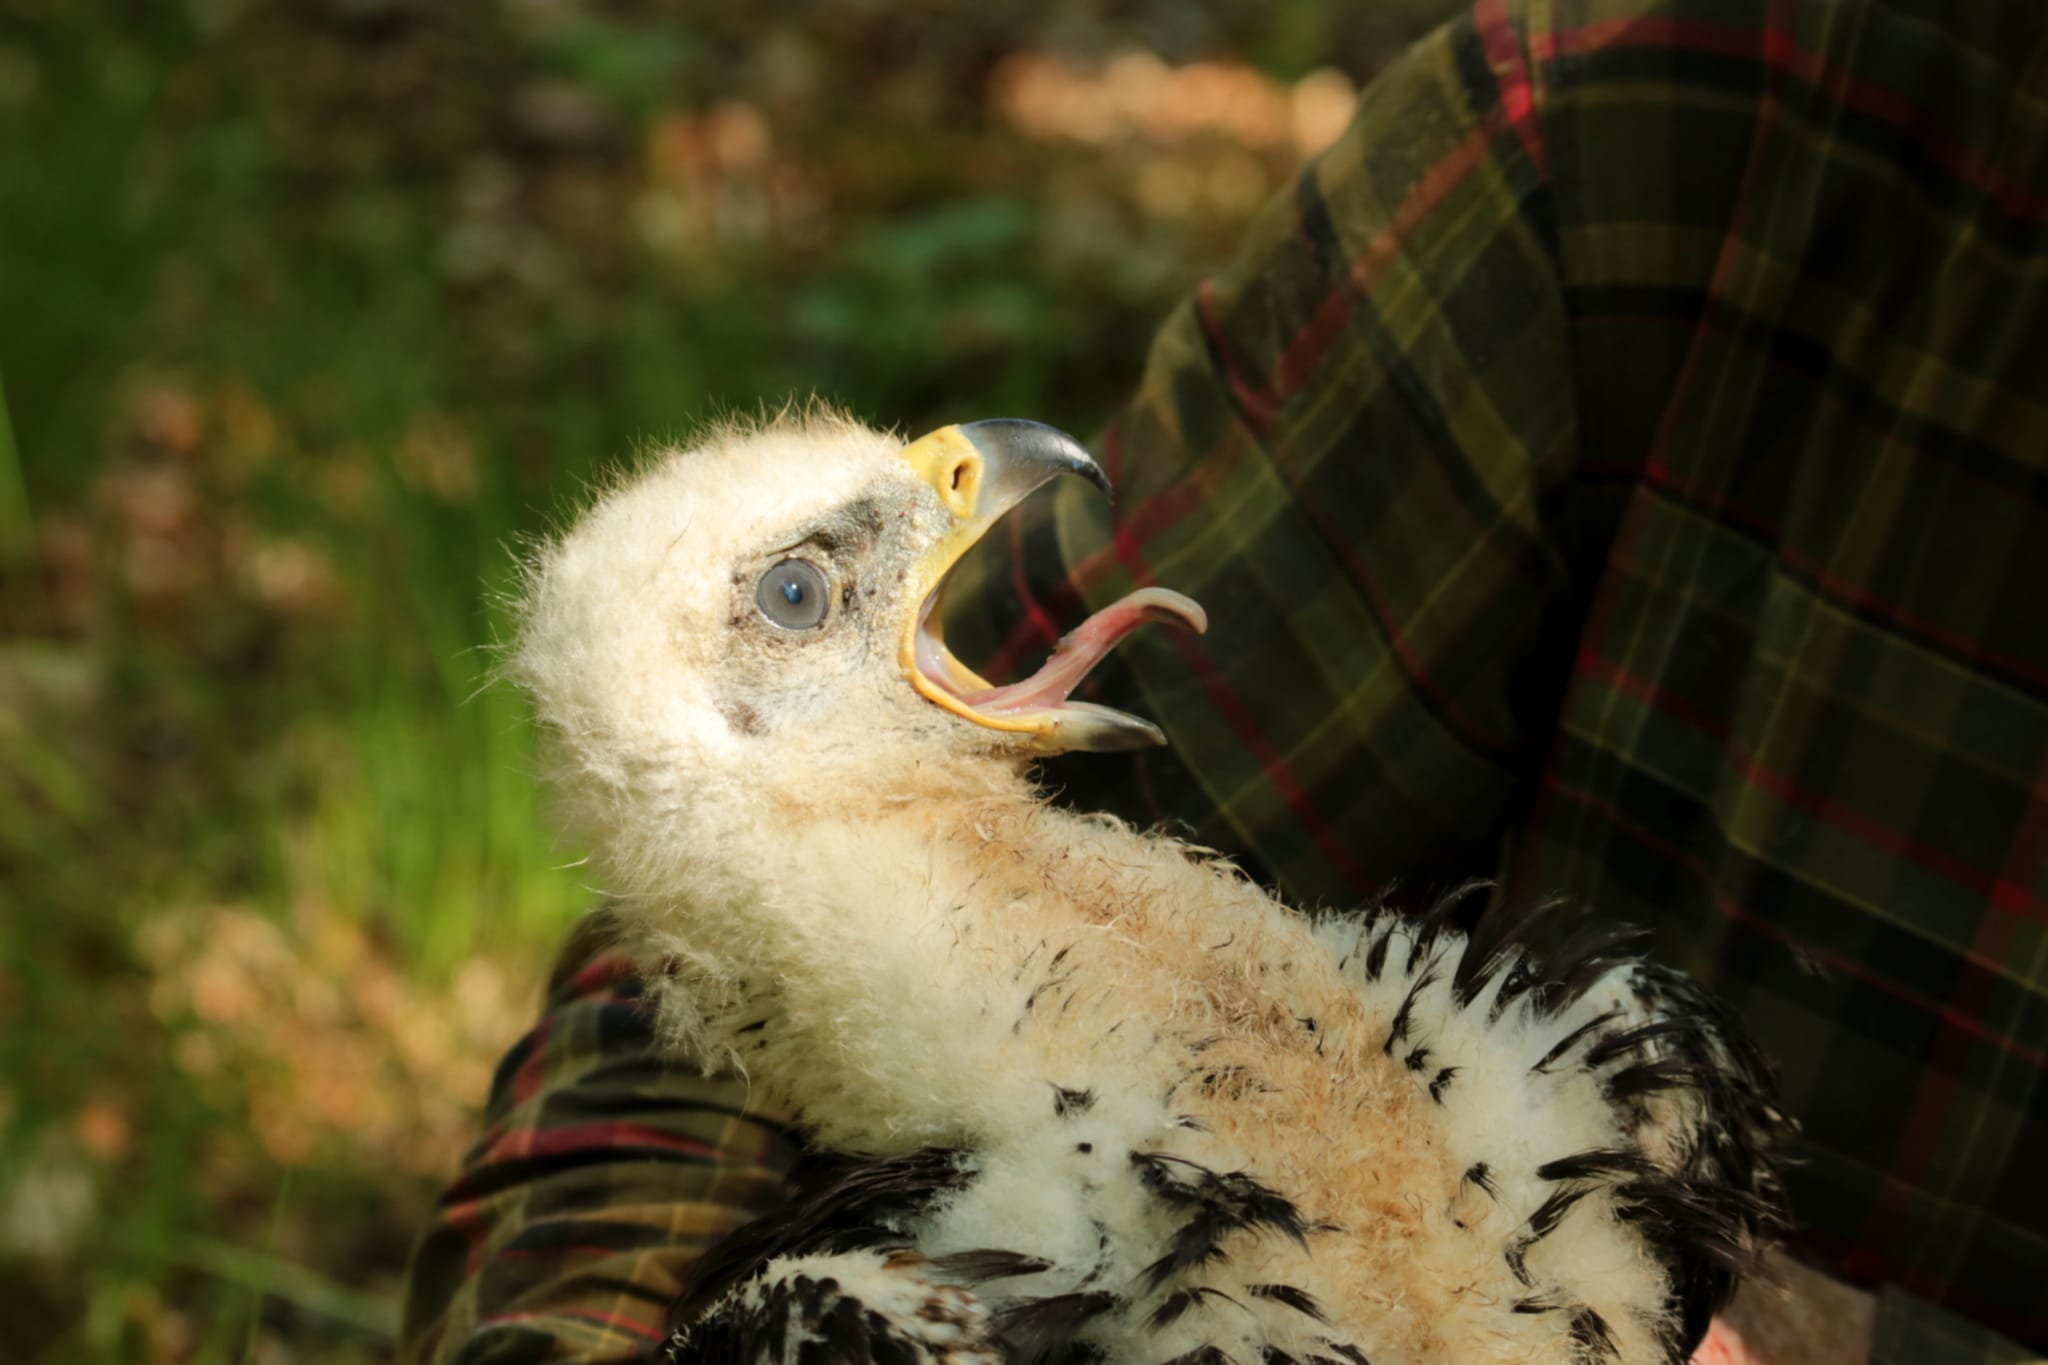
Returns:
<point x="605" y="1168"/>
<point x="1342" y="447"/>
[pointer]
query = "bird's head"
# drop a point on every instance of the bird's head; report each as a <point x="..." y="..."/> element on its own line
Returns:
<point x="753" y="624"/>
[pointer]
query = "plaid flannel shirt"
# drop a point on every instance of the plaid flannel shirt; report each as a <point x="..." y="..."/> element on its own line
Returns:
<point x="1621" y="462"/>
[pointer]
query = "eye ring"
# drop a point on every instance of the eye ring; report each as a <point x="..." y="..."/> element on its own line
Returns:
<point x="793" y="594"/>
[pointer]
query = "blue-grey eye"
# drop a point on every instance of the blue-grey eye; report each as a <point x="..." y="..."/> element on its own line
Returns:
<point x="794" y="595"/>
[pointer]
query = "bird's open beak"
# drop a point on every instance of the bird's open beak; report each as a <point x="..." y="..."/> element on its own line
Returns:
<point x="981" y="470"/>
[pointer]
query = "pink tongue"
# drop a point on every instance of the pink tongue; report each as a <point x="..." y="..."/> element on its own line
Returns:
<point x="1084" y="646"/>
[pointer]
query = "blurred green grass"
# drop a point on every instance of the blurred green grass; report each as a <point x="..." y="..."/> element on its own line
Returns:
<point x="309" y="313"/>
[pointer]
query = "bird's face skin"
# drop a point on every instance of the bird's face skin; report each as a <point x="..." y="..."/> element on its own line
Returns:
<point x="760" y="615"/>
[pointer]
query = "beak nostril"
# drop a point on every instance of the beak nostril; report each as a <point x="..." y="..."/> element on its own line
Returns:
<point x="959" y="473"/>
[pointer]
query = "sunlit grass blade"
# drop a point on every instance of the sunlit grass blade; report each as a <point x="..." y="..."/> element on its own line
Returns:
<point x="16" y="527"/>
<point x="371" y="1315"/>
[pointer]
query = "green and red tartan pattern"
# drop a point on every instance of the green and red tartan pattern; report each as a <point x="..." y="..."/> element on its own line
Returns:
<point x="602" y="1173"/>
<point x="1621" y="462"/>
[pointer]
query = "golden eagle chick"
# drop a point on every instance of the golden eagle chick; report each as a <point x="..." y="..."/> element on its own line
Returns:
<point x="1096" y="1096"/>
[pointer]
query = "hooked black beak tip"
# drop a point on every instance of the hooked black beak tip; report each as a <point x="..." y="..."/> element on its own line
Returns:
<point x="1021" y="444"/>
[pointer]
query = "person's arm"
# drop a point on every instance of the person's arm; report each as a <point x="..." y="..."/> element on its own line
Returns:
<point x="606" y="1166"/>
<point x="1793" y="1313"/>
<point x="1796" y="1313"/>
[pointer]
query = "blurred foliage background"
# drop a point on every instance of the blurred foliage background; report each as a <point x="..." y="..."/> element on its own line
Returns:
<point x="309" y="309"/>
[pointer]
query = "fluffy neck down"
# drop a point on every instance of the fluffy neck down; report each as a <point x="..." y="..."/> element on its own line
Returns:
<point x="1064" y="999"/>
